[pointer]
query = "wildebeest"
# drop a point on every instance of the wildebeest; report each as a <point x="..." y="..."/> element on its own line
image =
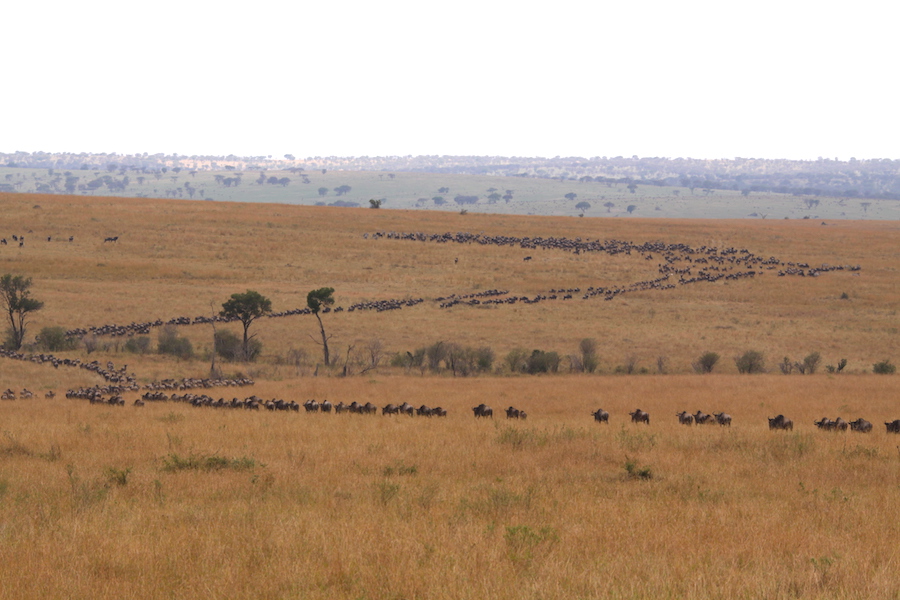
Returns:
<point x="424" y="411"/>
<point x="514" y="413"/>
<point x="824" y="423"/>
<point x="138" y="402"/>
<point x="310" y="406"/>
<point x="723" y="419"/>
<point x="407" y="409"/>
<point x="439" y="411"/>
<point x="840" y="424"/>
<point x="601" y="416"/>
<point x="483" y="410"/>
<point x="701" y="418"/>
<point x="339" y="408"/>
<point x="861" y="425"/>
<point x="368" y="409"/>
<point x="893" y="426"/>
<point x="780" y="422"/>
<point x="325" y="406"/>
<point x="685" y="418"/>
<point x="639" y="416"/>
<point x="390" y="409"/>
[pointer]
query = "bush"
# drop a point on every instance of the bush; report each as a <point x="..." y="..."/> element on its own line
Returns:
<point x="884" y="368"/>
<point x="589" y="359"/>
<point x="138" y="345"/>
<point x="170" y="343"/>
<point x="229" y="346"/>
<point x="542" y="362"/>
<point x="706" y="362"/>
<point x="810" y="364"/>
<point x="53" y="339"/>
<point x="750" y="362"/>
<point x="516" y="360"/>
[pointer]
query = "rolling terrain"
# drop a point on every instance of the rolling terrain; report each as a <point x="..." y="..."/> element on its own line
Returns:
<point x="181" y="501"/>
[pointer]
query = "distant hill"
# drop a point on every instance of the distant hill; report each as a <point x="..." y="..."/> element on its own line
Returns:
<point x="599" y="186"/>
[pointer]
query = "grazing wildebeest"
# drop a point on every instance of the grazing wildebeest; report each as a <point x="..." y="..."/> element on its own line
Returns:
<point x="639" y="416"/>
<point x="701" y="418"/>
<point x="685" y="418"/>
<point x="601" y="416"/>
<point x="50" y="395"/>
<point x="825" y="423"/>
<point x="776" y="422"/>
<point x="723" y="419"/>
<point x="513" y="413"/>
<point x="138" y="402"/>
<point x="893" y="426"/>
<point x="483" y="410"/>
<point x="861" y="425"/>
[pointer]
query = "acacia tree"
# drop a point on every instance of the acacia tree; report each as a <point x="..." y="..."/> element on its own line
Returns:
<point x="18" y="302"/>
<point x="246" y="308"/>
<point x="317" y="300"/>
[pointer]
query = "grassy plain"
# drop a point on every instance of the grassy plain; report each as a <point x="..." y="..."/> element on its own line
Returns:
<point x="416" y="191"/>
<point x="174" y="501"/>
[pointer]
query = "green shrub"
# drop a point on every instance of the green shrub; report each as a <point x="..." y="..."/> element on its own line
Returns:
<point x="542" y="362"/>
<point x="706" y="362"/>
<point x="170" y="343"/>
<point x="750" y="362"/>
<point x="884" y="368"/>
<point x="229" y="346"/>
<point x="53" y="339"/>
<point x="138" y="345"/>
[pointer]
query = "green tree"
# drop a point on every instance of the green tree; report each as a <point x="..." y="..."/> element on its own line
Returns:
<point x="317" y="300"/>
<point x="373" y="203"/>
<point x="246" y="308"/>
<point x="583" y="206"/>
<point x="17" y="300"/>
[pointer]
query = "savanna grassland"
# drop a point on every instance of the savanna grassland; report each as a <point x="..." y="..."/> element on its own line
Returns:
<point x="419" y="191"/>
<point x="169" y="500"/>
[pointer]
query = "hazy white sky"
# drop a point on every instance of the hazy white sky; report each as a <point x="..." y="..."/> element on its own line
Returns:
<point x="705" y="79"/>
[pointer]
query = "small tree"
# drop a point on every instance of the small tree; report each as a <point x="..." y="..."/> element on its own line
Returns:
<point x="706" y="362"/>
<point x="583" y="206"/>
<point x="589" y="360"/>
<point x="317" y="300"/>
<point x="884" y="368"/>
<point x="246" y="308"/>
<point x="16" y="298"/>
<point x="751" y="361"/>
<point x="373" y="203"/>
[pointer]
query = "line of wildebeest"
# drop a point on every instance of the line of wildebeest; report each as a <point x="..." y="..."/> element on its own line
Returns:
<point x="98" y="395"/>
<point x="677" y="264"/>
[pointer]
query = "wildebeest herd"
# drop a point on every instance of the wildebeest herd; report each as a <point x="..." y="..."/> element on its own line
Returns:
<point x="676" y="263"/>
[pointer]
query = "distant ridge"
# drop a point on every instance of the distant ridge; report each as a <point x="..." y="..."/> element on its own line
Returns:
<point x="869" y="178"/>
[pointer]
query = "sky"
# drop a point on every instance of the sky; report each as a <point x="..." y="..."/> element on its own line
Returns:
<point x="696" y="78"/>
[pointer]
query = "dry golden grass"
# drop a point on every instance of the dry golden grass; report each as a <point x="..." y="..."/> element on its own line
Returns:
<point x="185" y="258"/>
<point x="329" y="506"/>
<point x="340" y="506"/>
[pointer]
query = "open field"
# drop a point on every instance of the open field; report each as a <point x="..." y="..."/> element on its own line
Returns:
<point x="173" y="501"/>
<point x="412" y="190"/>
<point x="170" y="500"/>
